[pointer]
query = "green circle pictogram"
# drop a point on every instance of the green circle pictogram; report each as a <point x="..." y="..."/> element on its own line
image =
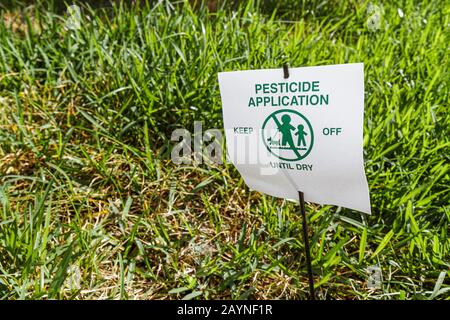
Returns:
<point x="288" y="135"/>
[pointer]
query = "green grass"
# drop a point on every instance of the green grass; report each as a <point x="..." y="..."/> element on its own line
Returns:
<point x="92" y="207"/>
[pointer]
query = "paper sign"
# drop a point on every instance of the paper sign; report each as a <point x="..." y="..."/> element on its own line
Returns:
<point x="303" y="133"/>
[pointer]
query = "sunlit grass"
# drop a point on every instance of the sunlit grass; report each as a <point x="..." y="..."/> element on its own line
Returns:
<point x="92" y="207"/>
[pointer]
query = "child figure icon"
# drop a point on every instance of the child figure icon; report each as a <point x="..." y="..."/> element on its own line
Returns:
<point x="301" y="135"/>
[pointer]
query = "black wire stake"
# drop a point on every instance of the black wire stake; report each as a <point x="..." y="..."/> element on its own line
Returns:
<point x="286" y="71"/>
<point x="235" y="5"/>
<point x="312" y="295"/>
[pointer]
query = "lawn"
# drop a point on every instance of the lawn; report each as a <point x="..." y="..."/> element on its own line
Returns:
<point x="92" y="207"/>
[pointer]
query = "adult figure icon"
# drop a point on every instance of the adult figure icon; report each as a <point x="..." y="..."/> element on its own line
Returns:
<point x="286" y="129"/>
